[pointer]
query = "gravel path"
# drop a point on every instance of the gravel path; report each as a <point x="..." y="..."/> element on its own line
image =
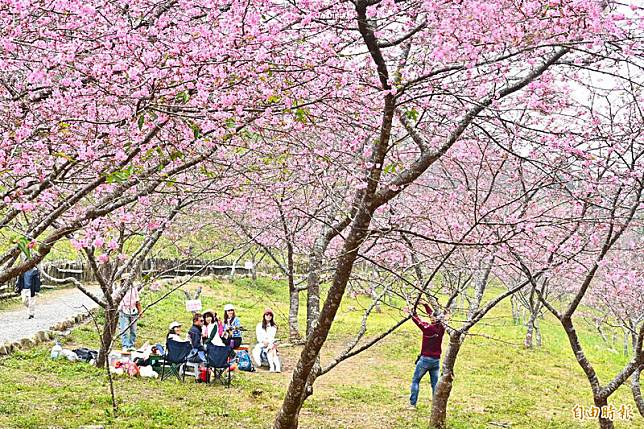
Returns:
<point x="51" y="308"/>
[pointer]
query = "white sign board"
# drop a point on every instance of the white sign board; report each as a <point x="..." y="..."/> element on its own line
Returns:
<point x="193" y="305"/>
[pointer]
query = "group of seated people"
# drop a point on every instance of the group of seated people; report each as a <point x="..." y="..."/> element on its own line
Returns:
<point x="208" y="328"/>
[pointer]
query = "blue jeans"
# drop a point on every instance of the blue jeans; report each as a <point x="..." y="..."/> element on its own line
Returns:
<point x="128" y="337"/>
<point x="424" y="364"/>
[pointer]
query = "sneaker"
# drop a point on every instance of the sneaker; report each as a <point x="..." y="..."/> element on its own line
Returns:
<point x="411" y="407"/>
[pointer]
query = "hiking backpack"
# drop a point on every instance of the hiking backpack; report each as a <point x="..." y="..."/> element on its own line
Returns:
<point x="244" y="361"/>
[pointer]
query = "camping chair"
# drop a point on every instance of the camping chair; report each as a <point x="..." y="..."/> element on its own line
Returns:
<point x="176" y="356"/>
<point x="217" y="360"/>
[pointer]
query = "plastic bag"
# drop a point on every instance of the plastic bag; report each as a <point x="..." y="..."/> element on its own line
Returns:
<point x="70" y="355"/>
<point x="129" y="368"/>
<point x="147" y="371"/>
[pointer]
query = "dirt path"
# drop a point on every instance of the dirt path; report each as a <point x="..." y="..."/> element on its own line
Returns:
<point x="51" y="308"/>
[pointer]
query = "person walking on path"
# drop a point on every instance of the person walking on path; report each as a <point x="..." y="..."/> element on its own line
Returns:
<point x="429" y="358"/>
<point x="27" y="286"/>
<point x="129" y="312"/>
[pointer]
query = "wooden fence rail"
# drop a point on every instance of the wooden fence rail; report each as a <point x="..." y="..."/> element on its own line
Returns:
<point x="164" y="268"/>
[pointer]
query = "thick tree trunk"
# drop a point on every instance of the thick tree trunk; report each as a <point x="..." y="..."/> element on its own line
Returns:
<point x="288" y="416"/>
<point x="604" y="423"/>
<point x="537" y="330"/>
<point x="591" y="375"/>
<point x="584" y="363"/>
<point x="445" y="382"/>
<point x="107" y="336"/>
<point x="637" y="391"/>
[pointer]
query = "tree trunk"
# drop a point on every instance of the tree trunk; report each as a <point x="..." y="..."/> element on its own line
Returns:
<point x="374" y="296"/>
<point x="637" y="391"/>
<point x="480" y="286"/>
<point x="604" y="423"/>
<point x="591" y="375"/>
<point x="515" y="310"/>
<point x="537" y="330"/>
<point x="531" y="328"/>
<point x="107" y="336"/>
<point x="288" y="416"/>
<point x="294" y="297"/>
<point x="633" y="338"/>
<point x="313" y="280"/>
<point x="293" y="311"/>
<point x="445" y="382"/>
<point x="598" y="325"/>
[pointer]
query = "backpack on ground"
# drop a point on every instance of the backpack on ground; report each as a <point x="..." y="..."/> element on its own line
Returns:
<point x="244" y="361"/>
<point x="86" y="354"/>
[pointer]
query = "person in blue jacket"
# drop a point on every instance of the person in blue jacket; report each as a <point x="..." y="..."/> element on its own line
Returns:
<point x="27" y="286"/>
<point x="232" y="327"/>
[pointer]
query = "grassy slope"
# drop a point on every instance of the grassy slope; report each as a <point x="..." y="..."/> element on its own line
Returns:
<point x="498" y="382"/>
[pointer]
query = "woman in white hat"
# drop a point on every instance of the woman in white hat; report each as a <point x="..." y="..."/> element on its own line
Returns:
<point x="232" y="327"/>
<point x="174" y="332"/>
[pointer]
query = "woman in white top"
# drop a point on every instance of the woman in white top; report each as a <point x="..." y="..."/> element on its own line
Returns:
<point x="210" y="329"/>
<point x="266" y="331"/>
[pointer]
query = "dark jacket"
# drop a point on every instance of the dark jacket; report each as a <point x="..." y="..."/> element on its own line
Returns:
<point x="29" y="280"/>
<point x="195" y="338"/>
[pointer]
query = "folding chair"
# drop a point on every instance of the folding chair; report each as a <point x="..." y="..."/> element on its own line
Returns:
<point x="217" y="360"/>
<point x="176" y="356"/>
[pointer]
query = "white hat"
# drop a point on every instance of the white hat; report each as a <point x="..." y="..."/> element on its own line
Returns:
<point x="174" y="325"/>
<point x="228" y="307"/>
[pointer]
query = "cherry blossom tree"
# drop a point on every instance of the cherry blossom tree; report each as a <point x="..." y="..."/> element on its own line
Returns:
<point x="437" y="93"/>
<point x="104" y="103"/>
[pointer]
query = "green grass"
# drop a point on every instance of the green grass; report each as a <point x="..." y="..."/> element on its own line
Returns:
<point x="498" y="382"/>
